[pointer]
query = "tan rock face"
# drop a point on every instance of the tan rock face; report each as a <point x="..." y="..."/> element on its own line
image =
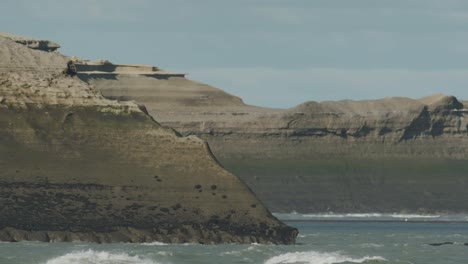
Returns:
<point x="39" y="44"/>
<point x="388" y="155"/>
<point x="77" y="166"/>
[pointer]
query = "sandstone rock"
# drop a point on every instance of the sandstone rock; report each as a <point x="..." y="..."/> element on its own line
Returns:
<point x="39" y="44"/>
<point x="77" y="166"/>
<point x="388" y="155"/>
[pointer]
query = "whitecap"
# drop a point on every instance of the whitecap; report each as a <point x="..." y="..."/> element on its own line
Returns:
<point x="155" y="243"/>
<point x="378" y="216"/>
<point x="309" y="235"/>
<point x="314" y="257"/>
<point x="231" y="253"/>
<point x="98" y="257"/>
<point x="371" y="245"/>
<point x="164" y="253"/>
<point x="253" y="247"/>
<point x="409" y="216"/>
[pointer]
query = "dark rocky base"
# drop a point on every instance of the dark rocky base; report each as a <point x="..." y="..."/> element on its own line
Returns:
<point x="180" y="235"/>
<point x="78" y="167"/>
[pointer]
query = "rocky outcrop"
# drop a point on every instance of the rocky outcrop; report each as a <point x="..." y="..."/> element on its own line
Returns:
<point x="77" y="166"/>
<point x="387" y="155"/>
<point x="109" y="70"/>
<point x="38" y="44"/>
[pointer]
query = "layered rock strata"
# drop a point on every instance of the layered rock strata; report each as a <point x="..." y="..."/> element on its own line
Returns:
<point x="79" y="167"/>
<point x="388" y="155"/>
<point x="38" y="44"/>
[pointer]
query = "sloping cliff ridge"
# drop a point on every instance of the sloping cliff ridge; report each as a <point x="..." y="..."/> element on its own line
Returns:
<point x="77" y="166"/>
<point x="388" y="155"/>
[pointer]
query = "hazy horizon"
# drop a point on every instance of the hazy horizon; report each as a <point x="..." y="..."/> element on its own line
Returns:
<point x="269" y="53"/>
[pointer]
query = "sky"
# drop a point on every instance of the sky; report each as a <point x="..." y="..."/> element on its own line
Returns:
<point x="268" y="52"/>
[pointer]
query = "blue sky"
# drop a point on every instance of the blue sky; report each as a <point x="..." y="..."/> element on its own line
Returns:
<point x="270" y="53"/>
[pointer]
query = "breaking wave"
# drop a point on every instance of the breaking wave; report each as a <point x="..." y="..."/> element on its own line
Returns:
<point x="314" y="257"/>
<point x="98" y="257"/>
<point x="252" y="248"/>
<point x="156" y="243"/>
<point x="371" y="245"/>
<point x="373" y="217"/>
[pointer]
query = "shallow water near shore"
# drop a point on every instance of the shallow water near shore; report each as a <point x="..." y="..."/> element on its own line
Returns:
<point x="318" y="243"/>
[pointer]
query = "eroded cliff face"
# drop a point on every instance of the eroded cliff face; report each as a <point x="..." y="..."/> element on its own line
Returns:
<point x="38" y="44"/>
<point x="388" y="155"/>
<point x="77" y="166"/>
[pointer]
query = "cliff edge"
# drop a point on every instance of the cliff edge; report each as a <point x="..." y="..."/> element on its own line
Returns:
<point x="79" y="167"/>
<point x="387" y="155"/>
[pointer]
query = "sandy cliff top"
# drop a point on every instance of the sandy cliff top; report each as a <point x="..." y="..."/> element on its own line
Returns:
<point x="33" y="76"/>
<point x="33" y="43"/>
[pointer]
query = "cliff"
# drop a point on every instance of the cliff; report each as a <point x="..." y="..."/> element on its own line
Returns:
<point x="38" y="44"/>
<point x="387" y="155"/>
<point x="77" y="166"/>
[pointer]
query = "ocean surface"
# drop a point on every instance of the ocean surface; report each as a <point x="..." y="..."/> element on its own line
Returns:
<point x="323" y="239"/>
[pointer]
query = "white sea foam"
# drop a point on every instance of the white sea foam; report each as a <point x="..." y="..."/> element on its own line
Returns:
<point x="369" y="216"/>
<point x="254" y="247"/>
<point x="371" y="245"/>
<point x="342" y="215"/>
<point x="156" y="243"/>
<point x="413" y="216"/>
<point x="309" y="235"/>
<point x="232" y="253"/>
<point x="98" y="257"/>
<point x="164" y="253"/>
<point x="314" y="257"/>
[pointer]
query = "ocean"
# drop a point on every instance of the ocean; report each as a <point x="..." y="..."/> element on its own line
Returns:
<point x="323" y="239"/>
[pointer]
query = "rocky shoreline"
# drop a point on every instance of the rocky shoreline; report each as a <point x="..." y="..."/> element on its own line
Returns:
<point x="79" y="167"/>
<point x="177" y="234"/>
